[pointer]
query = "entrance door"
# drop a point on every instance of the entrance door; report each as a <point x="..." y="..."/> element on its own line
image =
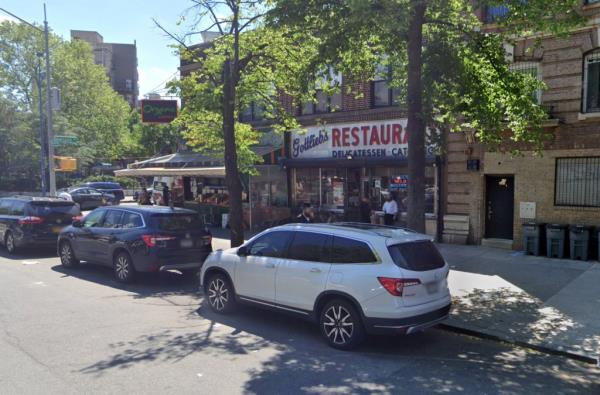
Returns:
<point x="500" y="204"/>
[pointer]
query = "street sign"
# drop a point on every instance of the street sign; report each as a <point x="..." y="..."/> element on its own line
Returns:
<point x="159" y="111"/>
<point x="64" y="140"/>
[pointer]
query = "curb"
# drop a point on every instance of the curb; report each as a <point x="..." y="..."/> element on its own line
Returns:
<point x="535" y="347"/>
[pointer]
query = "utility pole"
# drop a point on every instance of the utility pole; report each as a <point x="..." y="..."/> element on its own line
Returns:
<point x="49" y="111"/>
<point x="42" y="131"/>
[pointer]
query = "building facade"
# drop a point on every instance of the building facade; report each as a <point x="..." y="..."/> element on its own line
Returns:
<point x="499" y="192"/>
<point x="119" y="61"/>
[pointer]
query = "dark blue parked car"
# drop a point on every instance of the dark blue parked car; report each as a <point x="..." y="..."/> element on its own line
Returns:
<point x="26" y="220"/>
<point x="108" y="187"/>
<point x="137" y="239"/>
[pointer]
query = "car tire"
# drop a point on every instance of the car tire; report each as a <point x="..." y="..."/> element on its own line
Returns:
<point x="9" y="243"/>
<point x="67" y="255"/>
<point x="123" y="268"/>
<point x="341" y="325"/>
<point x="220" y="294"/>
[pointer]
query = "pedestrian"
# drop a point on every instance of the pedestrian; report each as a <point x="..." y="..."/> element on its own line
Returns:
<point x="365" y="210"/>
<point x="307" y="214"/>
<point x="390" y="210"/>
<point x="166" y="197"/>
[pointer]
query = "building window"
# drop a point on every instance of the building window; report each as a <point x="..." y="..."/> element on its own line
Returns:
<point x="324" y="103"/>
<point x="591" y="82"/>
<point x="254" y="112"/>
<point x="532" y="69"/>
<point x="591" y="1"/>
<point x="577" y="182"/>
<point x="128" y="84"/>
<point x="383" y="94"/>
<point x="495" y="13"/>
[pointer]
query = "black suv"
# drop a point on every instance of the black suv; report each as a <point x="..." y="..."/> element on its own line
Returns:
<point x="137" y="239"/>
<point x="34" y="221"/>
<point x="109" y="187"/>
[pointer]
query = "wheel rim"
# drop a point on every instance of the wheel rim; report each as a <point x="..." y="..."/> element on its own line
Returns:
<point x="122" y="267"/>
<point x="218" y="294"/>
<point x="10" y="243"/>
<point x="66" y="254"/>
<point x="338" y="325"/>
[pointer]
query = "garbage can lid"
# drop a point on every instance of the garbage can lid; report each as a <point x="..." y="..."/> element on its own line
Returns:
<point x="556" y="226"/>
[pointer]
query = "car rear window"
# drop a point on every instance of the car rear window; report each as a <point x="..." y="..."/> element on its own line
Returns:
<point x="175" y="222"/>
<point x="40" y="209"/>
<point x="418" y="256"/>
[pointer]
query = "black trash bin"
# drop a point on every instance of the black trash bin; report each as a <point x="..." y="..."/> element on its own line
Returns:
<point x="579" y="236"/>
<point x="533" y="238"/>
<point x="555" y="240"/>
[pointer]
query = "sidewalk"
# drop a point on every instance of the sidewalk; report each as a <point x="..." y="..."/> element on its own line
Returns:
<point x="546" y="303"/>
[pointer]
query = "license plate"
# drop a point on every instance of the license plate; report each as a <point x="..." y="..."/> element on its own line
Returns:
<point x="187" y="243"/>
<point x="56" y="229"/>
<point x="432" y="287"/>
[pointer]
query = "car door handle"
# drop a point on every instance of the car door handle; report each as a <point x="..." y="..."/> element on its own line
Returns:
<point x="315" y="270"/>
<point x="270" y="265"/>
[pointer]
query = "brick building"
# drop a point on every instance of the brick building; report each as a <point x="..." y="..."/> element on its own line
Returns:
<point x="499" y="192"/>
<point x="119" y="61"/>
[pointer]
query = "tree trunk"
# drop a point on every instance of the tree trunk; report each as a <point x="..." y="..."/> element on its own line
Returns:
<point x="232" y="174"/>
<point x="416" y="124"/>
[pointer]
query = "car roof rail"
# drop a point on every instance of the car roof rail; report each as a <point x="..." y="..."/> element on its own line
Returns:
<point x="368" y="226"/>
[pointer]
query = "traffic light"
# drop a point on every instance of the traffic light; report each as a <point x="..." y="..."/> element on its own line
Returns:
<point x="65" y="163"/>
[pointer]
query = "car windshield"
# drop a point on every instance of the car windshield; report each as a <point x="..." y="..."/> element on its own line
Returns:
<point x="40" y="209"/>
<point x="175" y="222"/>
<point x="417" y="256"/>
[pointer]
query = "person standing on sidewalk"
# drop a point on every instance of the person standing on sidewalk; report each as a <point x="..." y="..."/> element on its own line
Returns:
<point x="390" y="210"/>
<point x="365" y="210"/>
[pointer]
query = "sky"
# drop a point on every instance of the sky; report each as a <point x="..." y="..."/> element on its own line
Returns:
<point x="118" y="21"/>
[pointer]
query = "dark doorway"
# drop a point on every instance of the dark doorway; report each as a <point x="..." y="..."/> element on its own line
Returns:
<point x="500" y="204"/>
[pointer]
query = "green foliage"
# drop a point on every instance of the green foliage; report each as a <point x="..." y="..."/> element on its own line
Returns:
<point x="273" y="62"/>
<point x="147" y="140"/>
<point x="91" y="109"/>
<point x="466" y="78"/>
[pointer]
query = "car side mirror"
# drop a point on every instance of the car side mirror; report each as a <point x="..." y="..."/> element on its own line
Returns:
<point x="77" y="223"/>
<point x="242" y="251"/>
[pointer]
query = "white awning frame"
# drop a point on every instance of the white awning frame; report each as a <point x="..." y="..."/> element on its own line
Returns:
<point x="180" y="171"/>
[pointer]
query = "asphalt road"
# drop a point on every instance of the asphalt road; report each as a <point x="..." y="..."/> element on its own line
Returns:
<point x="78" y="331"/>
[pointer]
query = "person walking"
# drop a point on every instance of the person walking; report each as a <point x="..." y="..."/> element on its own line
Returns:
<point x="166" y="192"/>
<point x="307" y="215"/>
<point x="365" y="210"/>
<point x="390" y="210"/>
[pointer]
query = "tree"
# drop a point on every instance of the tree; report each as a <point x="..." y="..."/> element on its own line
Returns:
<point x="247" y="64"/>
<point x="146" y="140"/>
<point x="451" y="72"/>
<point x="91" y="109"/>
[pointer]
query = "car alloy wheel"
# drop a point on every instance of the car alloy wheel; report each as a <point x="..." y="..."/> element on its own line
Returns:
<point x="341" y="325"/>
<point x="220" y="294"/>
<point x="124" y="270"/>
<point x="9" y="242"/>
<point x="67" y="256"/>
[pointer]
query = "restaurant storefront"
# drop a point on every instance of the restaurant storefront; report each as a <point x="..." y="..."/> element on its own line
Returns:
<point x="334" y="166"/>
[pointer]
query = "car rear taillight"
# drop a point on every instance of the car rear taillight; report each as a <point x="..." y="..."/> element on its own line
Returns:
<point x="152" y="240"/>
<point x="31" y="221"/>
<point x="396" y="286"/>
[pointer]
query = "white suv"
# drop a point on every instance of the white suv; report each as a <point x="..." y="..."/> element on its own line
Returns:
<point x="351" y="278"/>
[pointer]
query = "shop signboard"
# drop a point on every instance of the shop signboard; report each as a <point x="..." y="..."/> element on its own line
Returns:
<point x="159" y="111"/>
<point x="370" y="139"/>
<point x="399" y="183"/>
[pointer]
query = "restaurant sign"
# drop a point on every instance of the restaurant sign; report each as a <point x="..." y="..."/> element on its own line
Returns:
<point x="372" y="139"/>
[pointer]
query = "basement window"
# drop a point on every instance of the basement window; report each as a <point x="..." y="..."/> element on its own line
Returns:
<point x="577" y="182"/>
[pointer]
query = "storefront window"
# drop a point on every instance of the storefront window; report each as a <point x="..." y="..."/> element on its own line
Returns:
<point x="306" y="187"/>
<point x="333" y="188"/>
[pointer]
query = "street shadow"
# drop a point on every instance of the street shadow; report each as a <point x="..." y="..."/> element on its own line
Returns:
<point x="29" y="253"/>
<point x="168" y="283"/>
<point x="292" y="358"/>
<point x="538" y="276"/>
<point x="520" y="316"/>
